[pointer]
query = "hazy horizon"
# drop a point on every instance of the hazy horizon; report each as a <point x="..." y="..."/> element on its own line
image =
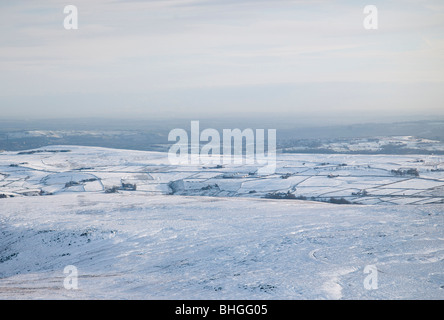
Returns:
<point x="308" y="62"/>
<point x="241" y="120"/>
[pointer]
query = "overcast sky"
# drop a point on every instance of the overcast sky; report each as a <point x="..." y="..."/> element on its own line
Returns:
<point x="311" y="59"/>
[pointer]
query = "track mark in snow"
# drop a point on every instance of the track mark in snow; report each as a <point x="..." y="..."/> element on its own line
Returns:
<point x="332" y="286"/>
<point x="313" y="255"/>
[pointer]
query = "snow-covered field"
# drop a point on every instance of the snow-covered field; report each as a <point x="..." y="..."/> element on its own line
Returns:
<point x="363" y="179"/>
<point x="150" y="244"/>
<point x="180" y="247"/>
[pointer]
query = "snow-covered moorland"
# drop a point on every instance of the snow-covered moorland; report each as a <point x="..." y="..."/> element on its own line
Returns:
<point x="363" y="179"/>
<point x="150" y="238"/>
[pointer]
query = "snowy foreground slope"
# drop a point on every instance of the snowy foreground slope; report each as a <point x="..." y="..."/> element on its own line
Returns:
<point x="145" y="244"/>
<point x="161" y="247"/>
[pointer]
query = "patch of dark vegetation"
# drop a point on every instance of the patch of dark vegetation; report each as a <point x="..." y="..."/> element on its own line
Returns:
<point x="235" y="175"/>
<point x="42" y="151"/>
<point x="113" y="189"/>
<point x="406" y="172"/>
<point x="339" y="201"/>
<point x="77" y="183"/>
<point x="172" y="187"/>
<point x="360" y="193"/>
<point x="45" y="231"/>
<point x="219" y="166"/>
<point x="210" y="187"/>
<point x="122" y="187"/>
<point x="71" y="184"/>
<point x="267" y="288"/>
<point x="128" y="187"/>
<point x="280" y="195"/>
<point x="7" y="258"/>
<point x="289" y="195"/>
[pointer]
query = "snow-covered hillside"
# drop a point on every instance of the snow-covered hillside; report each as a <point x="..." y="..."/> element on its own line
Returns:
<point x="138" y="246"/>
<point x="150" y="244"/>
<point x="382" y="144"/>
